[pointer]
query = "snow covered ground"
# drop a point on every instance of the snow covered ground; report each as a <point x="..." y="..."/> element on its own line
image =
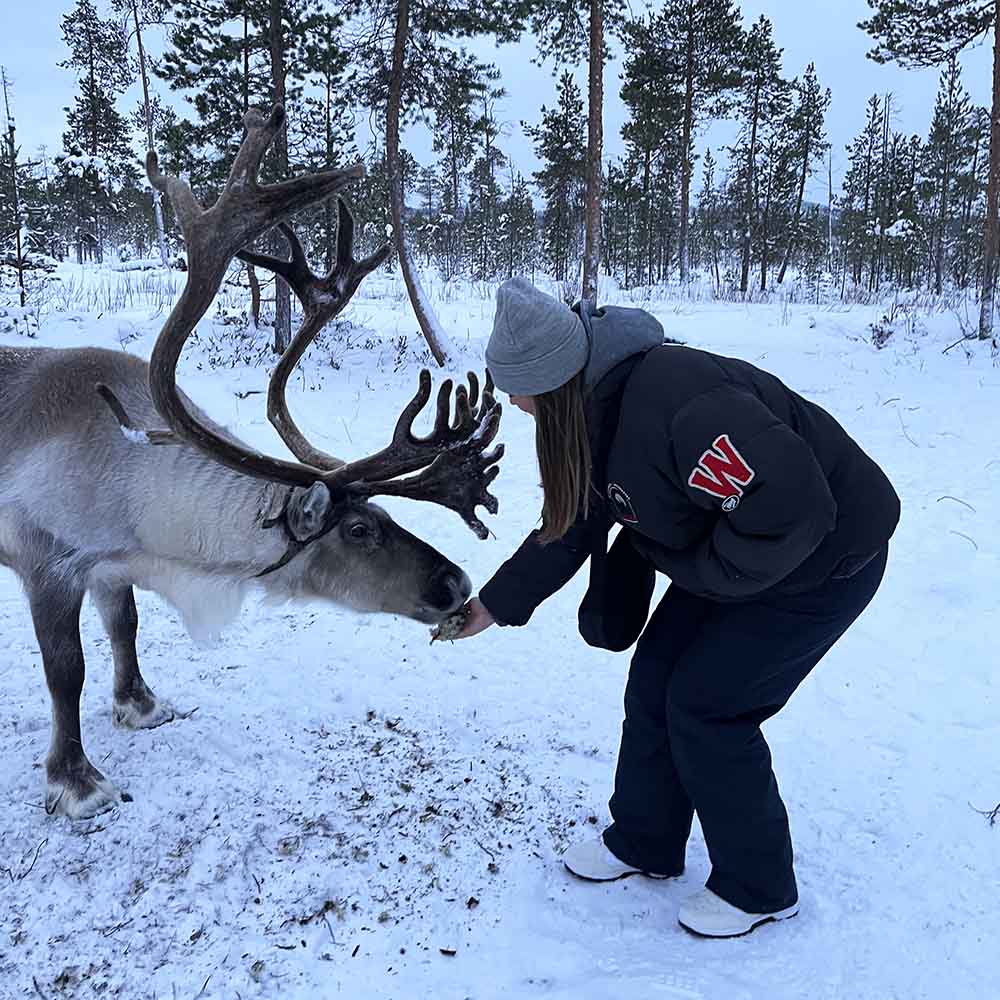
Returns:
<point x="352" y="812"/>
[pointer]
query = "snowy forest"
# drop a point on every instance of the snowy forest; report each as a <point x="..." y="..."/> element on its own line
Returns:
<point x="910" y="211"/>
<point x="686" y="309"/>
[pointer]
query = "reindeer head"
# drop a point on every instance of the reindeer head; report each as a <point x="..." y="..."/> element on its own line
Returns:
<point x="370" y="563"/>
<point x="351" y="550"/>
<point x="338" y="545"/>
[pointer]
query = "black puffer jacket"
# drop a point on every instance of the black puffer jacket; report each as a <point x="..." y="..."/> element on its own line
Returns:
<point x="731" y="484"/>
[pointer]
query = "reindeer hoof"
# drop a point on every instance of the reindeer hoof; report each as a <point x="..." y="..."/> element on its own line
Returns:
<point x="143" y="712"/>
<point x="80" y="794"/>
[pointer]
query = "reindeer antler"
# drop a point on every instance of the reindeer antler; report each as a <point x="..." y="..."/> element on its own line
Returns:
<point x="322" y="298"/>
<point x="457" y="471"/>
<point x="243" y="211"/>
<point x="458" y="476"/>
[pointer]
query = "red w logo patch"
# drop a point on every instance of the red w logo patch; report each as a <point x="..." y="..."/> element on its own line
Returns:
<point x="722" y="471"/>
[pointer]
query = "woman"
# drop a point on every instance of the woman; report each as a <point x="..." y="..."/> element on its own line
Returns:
<point x="772" y="526"/>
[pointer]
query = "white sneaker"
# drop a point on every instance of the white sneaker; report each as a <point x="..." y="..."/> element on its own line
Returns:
<point x="710" y="915"/>
<point x="591" y="860"/>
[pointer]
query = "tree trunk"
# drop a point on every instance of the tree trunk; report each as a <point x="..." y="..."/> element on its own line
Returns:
<point x="282" y="295"/>
<point x="859" y="269"/>
<point x="942" y="219"/>
<point x="942" y="224"/>
<point x="647" y="198"/>
<point x="15" y="198"/>
<point x="751" y="184"/>
<point x="452" y="231"/>
<point x="421" y="308"/>
<point x="967" y="207"/>
<point x="246" y="62"/>
<point x="595" y="145"/>
<point x="94" y="147"/>
<point x="453" y="169"/>
<point x="797" y="215"/>
<point x="765" y="229"/>
<point x="328" y="223"/>
<point x="992" y="236"/>
<point x="486" y="197"/>
<point x="92" y="88"/>
<point x="829" y="212"/>
<point x="688" y="128"/>
<point x="254" y="295"/>
<point x="910" y="257"/>
<point x="161" y="237"/>
<point x="628" y="231"/>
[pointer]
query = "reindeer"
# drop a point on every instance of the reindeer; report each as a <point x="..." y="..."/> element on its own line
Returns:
<point x="96" y="498"/>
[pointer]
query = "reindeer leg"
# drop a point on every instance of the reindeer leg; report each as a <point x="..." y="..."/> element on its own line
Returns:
<point x="135" y="706"/>
<point x="75" y="787"/>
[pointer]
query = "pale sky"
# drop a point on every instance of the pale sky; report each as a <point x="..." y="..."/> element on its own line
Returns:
<point x="820" y="31"/>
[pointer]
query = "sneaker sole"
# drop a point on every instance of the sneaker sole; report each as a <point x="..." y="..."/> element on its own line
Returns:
<point x="766" y="918"/>
<point x="617" y="878"/>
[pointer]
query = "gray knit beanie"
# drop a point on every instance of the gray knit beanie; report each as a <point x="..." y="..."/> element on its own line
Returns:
<point x="537" y="344"/>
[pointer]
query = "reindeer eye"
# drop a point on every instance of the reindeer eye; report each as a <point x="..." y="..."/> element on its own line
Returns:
<point x="359" y="530"/>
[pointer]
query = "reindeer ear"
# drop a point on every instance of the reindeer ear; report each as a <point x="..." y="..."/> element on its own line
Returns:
<point x="307" y="511"/>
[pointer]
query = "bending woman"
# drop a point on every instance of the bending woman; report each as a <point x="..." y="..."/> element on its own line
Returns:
<point x="772" y="525"/>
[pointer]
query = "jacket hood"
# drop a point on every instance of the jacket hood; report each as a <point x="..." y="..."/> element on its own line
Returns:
<point x="615" y="333"/>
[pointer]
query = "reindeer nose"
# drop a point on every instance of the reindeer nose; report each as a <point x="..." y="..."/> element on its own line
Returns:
<point x="449" y="589"/>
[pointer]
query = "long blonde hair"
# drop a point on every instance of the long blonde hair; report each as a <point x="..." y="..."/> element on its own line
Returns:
<point x="563" y="447"/>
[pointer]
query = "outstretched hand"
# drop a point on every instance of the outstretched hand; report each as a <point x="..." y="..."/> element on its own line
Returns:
<point x="479" y="619"/>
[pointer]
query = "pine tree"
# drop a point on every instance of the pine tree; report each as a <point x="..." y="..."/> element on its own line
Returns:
<point x="40" y="206"/>
<point x="813" y="247"/>
<point x="947" y="144"/>
<point x="98" y="156"/>
<point x="612" y="222"/>
<point x="571" y="30"/>
<point x="403" y="76"/>
<point x="98" y="54"/>
<point x="666" y="197"/>
<point x="897" y="223"/>
<point x="929" y="33"/>
<point x="25" y="197"/>
<point x="325" y="118"/>
<point x="219" y="59"/>
<point x="143" y="13"/>
<point x="902" y="219"/>
<point x="620" y="242"/>
<point x="651" y="133"/>
<point x="559" y="144"/>
<point x="228" y="56"/>
<point x="970" y="194"/>
<point x="704" y="39"/>
<point x="858" y="202"/>
<point x="13" y="231"/>
<point x="518" y="230"/>
<point x="462" y="87"/>
<point x="484" y="189"/>
<point x="760" y="94"/>
<point x="706" y="243"/>
<point x="778" y="177"/>
<point x="371" y="202"/>
<point x="423" y="213"/>
<point x="808" y="135"/>
<point x="595" y="151"/>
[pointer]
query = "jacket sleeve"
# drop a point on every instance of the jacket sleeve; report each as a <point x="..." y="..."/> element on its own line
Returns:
<point x="732" y="455"/>
<point x="536" y="571"/>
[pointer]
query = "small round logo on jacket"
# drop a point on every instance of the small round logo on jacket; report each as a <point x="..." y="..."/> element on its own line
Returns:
<point x="730" y="503"/>
<point x="622" y="504"/>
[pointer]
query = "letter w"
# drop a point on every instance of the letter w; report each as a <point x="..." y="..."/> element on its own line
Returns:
<point x="722" y="470"/>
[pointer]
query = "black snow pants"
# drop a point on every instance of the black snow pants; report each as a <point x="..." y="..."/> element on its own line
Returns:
<point x="703" y="678"/>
